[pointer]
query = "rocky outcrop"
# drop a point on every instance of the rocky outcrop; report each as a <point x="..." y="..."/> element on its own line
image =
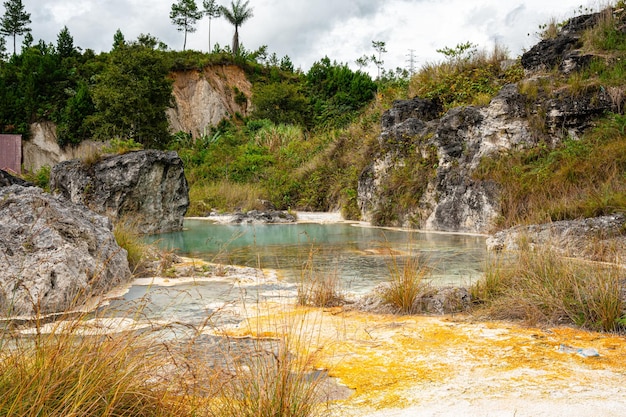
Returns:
<point x="599" y="239"/>
<point x="204" y="98"/>
<point x="42" y="148"/>
<point x="425" y="174"/>
<point x="561" y="51"/>
<point x="7" y="180"/>
<point x="149" y="186"/>
<point x="54" y="254"/>
<point x="449" y="149"/>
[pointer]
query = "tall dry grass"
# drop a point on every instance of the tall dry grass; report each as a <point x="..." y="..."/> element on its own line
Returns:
<point x="68" y="373"/>
<point x="318" y="288"/>
<point x="226" y="195"/>
<point x="540" y="286"/>
<point x="408" y="281"/>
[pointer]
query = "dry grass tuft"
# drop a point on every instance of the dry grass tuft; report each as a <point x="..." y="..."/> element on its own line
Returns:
<point x="66" y="373"/>
<point x="408" y="281"/>
<point x="318" y="288"/>
<point x="542" y="287"/>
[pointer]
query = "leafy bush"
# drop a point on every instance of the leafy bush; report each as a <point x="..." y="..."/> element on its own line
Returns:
<point x="41" y="178"/>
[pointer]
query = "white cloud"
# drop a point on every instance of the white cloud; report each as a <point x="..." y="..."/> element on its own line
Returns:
<point x="308" y="30"/>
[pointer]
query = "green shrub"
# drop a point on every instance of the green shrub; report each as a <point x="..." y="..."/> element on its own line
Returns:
<point x="41" y="178"/>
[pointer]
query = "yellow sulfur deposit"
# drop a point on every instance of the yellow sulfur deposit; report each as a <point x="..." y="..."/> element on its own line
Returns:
<point x="450" y="363"/>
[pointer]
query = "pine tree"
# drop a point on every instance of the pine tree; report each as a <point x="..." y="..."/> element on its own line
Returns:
<point x="15" y="20"/>
<point x="184" y="15"/>
<point x="65" y="43"/>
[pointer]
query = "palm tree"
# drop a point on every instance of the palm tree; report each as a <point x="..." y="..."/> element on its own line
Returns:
<point x="237" y="15"/>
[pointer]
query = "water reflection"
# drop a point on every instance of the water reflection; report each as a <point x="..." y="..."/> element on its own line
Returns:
<point x="359" y="255"/>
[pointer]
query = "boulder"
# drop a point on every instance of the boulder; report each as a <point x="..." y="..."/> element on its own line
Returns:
<point x="560" y="51"/>
<point x="54" y="253"/>
<point x="147" y="186"/>
<point x="7" y="180"/>
<point x="598" y="238"/>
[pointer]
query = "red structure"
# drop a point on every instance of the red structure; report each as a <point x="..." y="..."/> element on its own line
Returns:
<point x="11" y="153"/>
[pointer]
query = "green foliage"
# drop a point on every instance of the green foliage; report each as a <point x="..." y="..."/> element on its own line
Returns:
<point x="41" y="178"/>
<point x="184" y="16"/>
<point x="280" y="102"/>
<point x="71" y="126"/>
<point x="118" y="39"/>
<point x="464" y="77"/>
<point x="336" y="92"/>
<point x="121" y="146"/>
<point x="65" y="43"/>
<point x="461" y="52"/>
<point x="131" y="95"/>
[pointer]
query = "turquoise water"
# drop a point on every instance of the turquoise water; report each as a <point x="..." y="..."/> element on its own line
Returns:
<point x="359" y="255"/>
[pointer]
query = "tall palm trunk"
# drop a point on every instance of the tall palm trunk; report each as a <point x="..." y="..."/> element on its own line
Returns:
<point x="236" y="42"/>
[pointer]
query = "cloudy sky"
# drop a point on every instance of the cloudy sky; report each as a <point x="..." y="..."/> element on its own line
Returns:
<point x="308" y="30"/>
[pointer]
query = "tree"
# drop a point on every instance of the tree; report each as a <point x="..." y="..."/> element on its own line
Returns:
<point x="237" y="15"/>
<point x="65" y="43"/>
<point x="184" y="16"/>
<point x="379" y="46"/>
<point x="212" y="10"/>
<point x="131" y="96"/>
<point x="15" y="20"/>
<point x="461" y="52"/>
<point x="118" y="40"/>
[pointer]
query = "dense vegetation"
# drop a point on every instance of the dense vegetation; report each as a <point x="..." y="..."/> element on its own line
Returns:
<point x="313" y="133"/>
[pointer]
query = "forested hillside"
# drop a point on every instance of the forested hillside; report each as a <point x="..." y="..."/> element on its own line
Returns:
<point x="309" y="136"/>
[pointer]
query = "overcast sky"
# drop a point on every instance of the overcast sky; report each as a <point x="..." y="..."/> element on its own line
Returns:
<point x="308" y="30"/>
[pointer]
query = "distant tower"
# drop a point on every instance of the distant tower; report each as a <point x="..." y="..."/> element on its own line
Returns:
<point x="411" y="61"/>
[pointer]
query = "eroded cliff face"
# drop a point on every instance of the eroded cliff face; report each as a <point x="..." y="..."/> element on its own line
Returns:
<point x="43" y="148"/>
<point x="204" y="98"/>
<point x="201" y="99"/>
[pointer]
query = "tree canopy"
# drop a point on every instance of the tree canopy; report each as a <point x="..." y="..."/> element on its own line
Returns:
<point x="15" y="20"/>
<point x="184" y="16"/>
